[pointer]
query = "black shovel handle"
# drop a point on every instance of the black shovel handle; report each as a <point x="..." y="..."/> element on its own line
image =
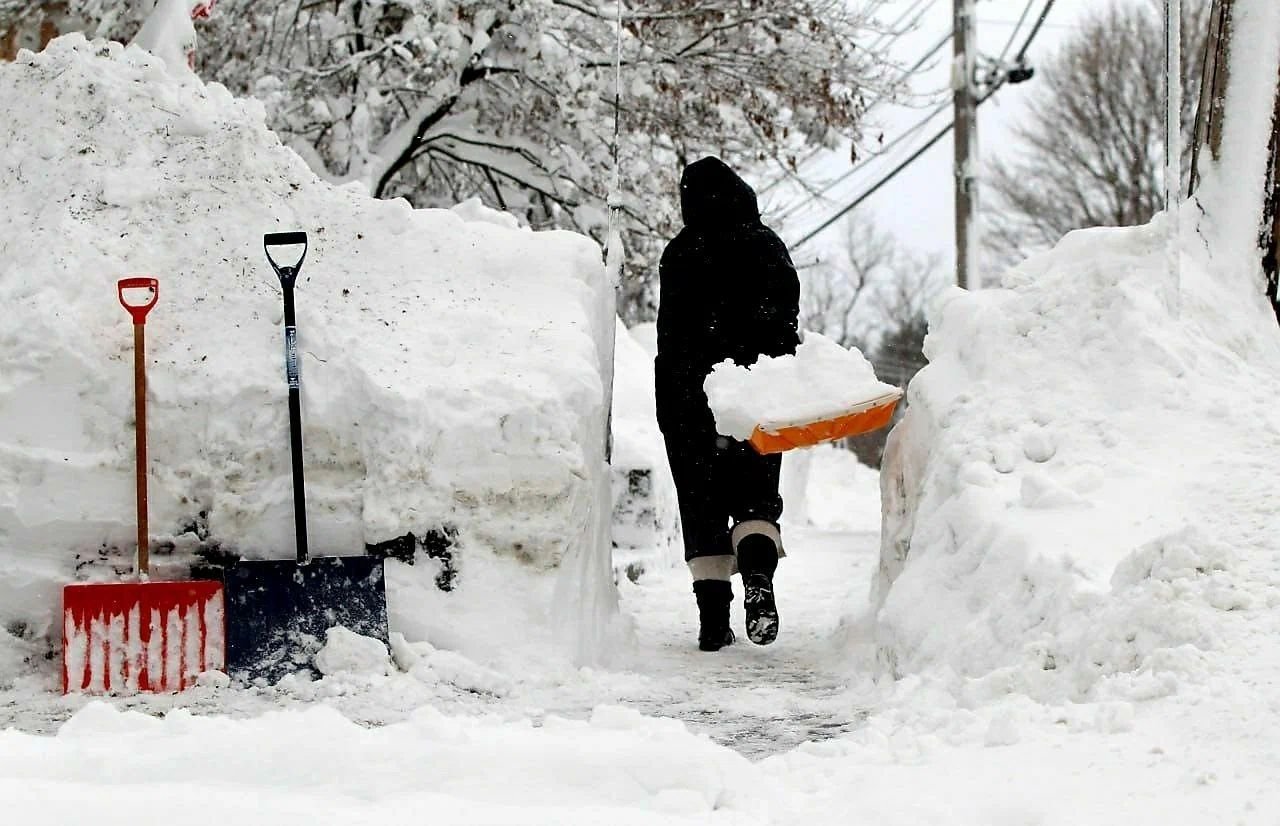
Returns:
<point x="288" y="275"/>
<point x="285" y="239"/>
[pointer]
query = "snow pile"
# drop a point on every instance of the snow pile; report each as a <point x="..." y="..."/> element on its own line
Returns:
<point x="1080" y="500"/>
<point x="646" y="518"/>
<point x="346" y="652"/>
<point x="821" y="381"/>
<point x="842" y="493"/>
<point x="451" y="366"/>
<point x="1082" y="490"/>
<point x="316" y="766"/>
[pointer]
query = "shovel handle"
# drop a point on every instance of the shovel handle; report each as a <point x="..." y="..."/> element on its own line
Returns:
<point x="138" y="311"/>
<point x="287" y="274"/>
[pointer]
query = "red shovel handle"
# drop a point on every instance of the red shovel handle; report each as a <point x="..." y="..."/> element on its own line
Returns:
<point x="138" y="311"/>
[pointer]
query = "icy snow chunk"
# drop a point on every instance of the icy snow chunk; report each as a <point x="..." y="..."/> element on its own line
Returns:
<point x="1038" y="446"/>
<point x="821" y="381"/>
<point x="473" y="210"/>
<point x="426" y="663"/>
<point x="99" y="717"/>
<point x="1002" y="731"/>
<point x="1004" y="457"/>
<point x="1186" y="554"/>
<point x="1039" y="490"/>
<point x="346" y="652"/>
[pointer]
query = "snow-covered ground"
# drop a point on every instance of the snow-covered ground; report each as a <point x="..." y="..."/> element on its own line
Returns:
<point x="1070" y="618"/>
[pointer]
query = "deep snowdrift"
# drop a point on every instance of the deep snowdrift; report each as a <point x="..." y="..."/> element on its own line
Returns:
<point x="451" y="363"/>
<point x="1080" y="500"/>
<point x="1079" y="488"/>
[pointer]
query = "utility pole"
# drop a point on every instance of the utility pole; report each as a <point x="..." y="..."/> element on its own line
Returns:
<point x="966" y="143"/>
<point x="1210" y="117"/>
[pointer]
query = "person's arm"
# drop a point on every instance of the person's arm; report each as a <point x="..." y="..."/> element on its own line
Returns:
<point x="769" y="306"/>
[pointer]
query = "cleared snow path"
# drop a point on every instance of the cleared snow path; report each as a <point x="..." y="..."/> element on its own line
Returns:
<point x="755" y="700"/>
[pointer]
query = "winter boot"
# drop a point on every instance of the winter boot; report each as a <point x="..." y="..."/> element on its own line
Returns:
<point x="757" y="560"/>
<point x="714" y="596"/>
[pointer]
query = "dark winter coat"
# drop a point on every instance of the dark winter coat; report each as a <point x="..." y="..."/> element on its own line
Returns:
<point x="728" y="291"/>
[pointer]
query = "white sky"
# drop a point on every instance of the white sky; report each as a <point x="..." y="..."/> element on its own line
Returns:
<point x="918" y="204"/>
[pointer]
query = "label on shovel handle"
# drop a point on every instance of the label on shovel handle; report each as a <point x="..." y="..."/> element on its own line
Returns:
<point x="291" y="356"/>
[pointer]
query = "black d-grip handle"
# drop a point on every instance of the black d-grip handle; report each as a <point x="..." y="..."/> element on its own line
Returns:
<point x="287" y="274"/>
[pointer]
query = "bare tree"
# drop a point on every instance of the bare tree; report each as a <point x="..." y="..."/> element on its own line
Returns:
<point x="438" y="101"/>
<point x="835" y="299"/>
<point x="872" y="296"/>
<point x="1090" y="151"/>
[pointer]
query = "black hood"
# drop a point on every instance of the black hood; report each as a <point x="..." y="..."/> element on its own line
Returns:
<point x="712" y="194"/>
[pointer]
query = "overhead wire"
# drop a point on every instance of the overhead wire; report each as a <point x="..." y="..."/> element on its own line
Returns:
<point x="891" y="33"/>
<point x="800" y="205"/>
<point x="832" y="184"/>
<point x="897" y="170"/>
<point x="1013" y="35"/>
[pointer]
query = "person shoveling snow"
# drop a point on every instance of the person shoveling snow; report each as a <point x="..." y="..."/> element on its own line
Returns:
<point x="728" y="291"/>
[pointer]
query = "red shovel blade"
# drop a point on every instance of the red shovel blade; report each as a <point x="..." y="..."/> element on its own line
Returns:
<point x="122" y="638"/>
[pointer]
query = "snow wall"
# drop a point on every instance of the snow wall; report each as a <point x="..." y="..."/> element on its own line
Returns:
<point x="1035" y="539"/>
<point x="452" y="364"/>
<point x="646" y="516"/>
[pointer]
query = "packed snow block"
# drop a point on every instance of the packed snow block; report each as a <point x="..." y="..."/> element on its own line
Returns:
<point x="454" y="366"/>
<point x="1077" y="425"/>
<point x="646" y="518"/>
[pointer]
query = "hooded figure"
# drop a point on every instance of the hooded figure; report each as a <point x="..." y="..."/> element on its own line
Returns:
<point x="728" y="291"/>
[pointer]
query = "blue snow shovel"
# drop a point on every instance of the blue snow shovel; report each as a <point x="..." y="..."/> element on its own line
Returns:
<point x="278" y="610"/>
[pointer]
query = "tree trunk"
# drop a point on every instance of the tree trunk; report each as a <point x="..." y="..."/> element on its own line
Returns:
<point x="1270" y="236"/>
<point x="1209" y="122"/>
<point x="1213" y="88"/>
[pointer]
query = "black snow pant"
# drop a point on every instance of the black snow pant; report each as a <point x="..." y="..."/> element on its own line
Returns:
<point x="720" y="480"/>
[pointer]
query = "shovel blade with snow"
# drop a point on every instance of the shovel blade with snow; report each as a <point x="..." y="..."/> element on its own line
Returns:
<point x="126" y="637"/>
<point x="872" y="414"/>
<point x="278" y="610"/>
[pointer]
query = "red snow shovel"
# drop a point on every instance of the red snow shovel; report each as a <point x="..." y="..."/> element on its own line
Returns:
<point x="125" y="637"/>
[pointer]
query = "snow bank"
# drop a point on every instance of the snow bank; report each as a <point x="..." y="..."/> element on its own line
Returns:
<point x="451" y="366"/>
<point x="1080" y="499"/>
<point x="842" y="493"/>
<point x="316" y="766"/>
<point x="1055" y="496"/>
<point x="821" y="381"/>
<point x="646" y="518"/>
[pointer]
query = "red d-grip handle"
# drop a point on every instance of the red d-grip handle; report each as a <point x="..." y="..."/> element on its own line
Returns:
<point x="138" y="311"/>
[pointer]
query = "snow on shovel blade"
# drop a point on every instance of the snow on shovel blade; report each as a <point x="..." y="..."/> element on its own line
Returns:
<point x="863" y="418"/>
<point x="122" y="638"/>
<point x="279" y="611"/>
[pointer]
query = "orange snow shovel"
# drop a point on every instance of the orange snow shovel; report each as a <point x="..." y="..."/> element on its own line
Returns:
<point x="864" y="417"/>
<point x="125" y="637"/>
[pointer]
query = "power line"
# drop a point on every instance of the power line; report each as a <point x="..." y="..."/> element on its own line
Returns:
<point x="893" y="34"/>
<point x="1035" y="30"/>
<point x="832" y="184"/>
<point x="1013" y="35"/>
<point x="927" y="146"/>
<point x="860" y="165"/>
